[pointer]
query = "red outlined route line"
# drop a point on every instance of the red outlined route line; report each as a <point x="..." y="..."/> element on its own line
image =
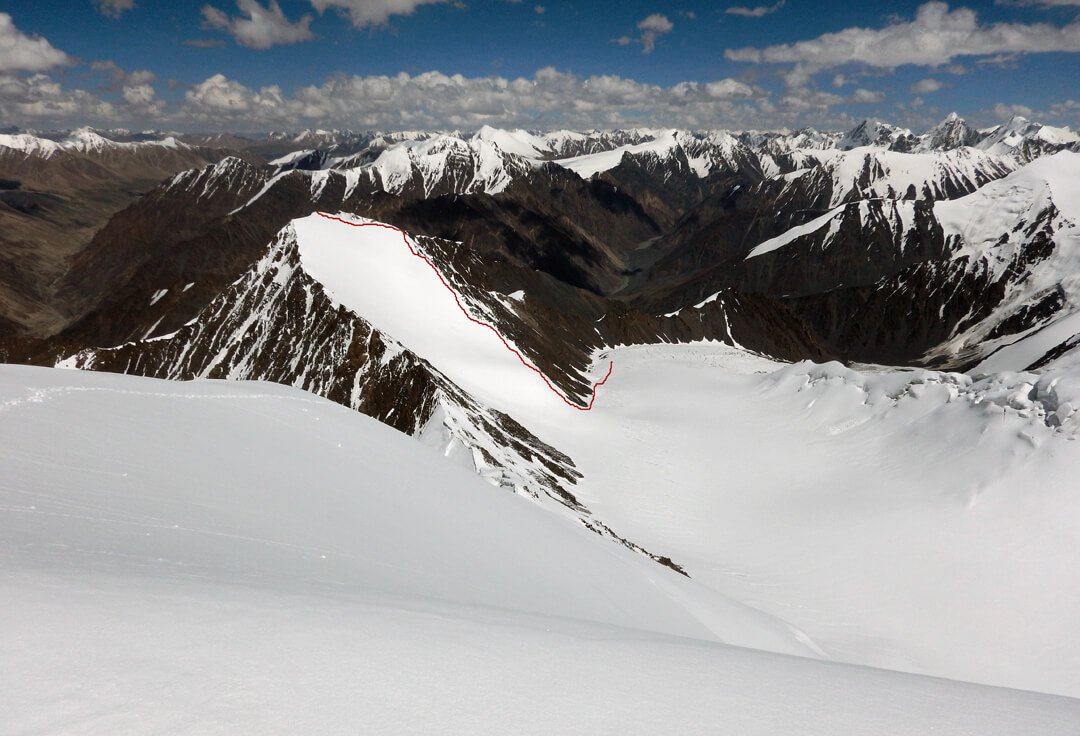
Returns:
<point x="457" y="300"/>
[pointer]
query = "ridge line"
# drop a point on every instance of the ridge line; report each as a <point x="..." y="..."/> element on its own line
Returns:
<point x="457" y="300"/>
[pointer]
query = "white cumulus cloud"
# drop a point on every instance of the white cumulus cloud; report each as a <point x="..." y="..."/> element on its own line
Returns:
<point x="934" y="38"/>
<point x="729" y="89"/>
<point x="438" y="101"/>
<point x="925" y="86"/>
<point x="865" y="96"/>
<point x="548" y="99"/>
<point x="1003" y="111"/>
<point x="121" y="77"/>
<point x="20" y="52"/>
<point x="363" y="13"/>
<point x="113" y="8"/>
<point x="39" y="97"/>
<point x="651" y="28"/>
<point x="755" y="12"/>
<point x="262" y="28"/>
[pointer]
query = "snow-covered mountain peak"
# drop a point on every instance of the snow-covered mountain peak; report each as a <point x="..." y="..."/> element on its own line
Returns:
<point x="30" y="144"/>
<point x="87" y="140"/>
<point x="810" y="138"/>
<point x="1061" y="173"/>
<point x="450" y="164"/>
<point x="374" y="270"/>
<point x="1011" y="137"/>
<point x="874" y="172"/>
<point x="673" y="148"/>
<point x="994" y="209"/>
<point x="309" y="134"/>
<point x="230" y="174"/>
<point x="952" y="132"/>
<point x="872" y="132"/>
<point x="518" y="142"/>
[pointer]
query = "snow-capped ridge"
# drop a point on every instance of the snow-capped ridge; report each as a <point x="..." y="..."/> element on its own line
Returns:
<point x="448" y="164"/>
<point x="951" y="133"/>
<point x="873" y="132"/>
<point x="86" y="141"/>
<point x="871" y="172"/>
<point x="230" y="173"/>
<point x="705" y="154"/>
<point x="1011" y="137"/>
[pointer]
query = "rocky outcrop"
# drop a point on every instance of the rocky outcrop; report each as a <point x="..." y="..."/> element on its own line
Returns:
<point x="276" y="324"/>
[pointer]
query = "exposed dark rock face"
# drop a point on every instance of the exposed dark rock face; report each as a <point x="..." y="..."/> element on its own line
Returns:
<point x="313" y="160"/>
<point x="192" y="236"/>
<point x="876" y="280"/>
<point x="744" y="211"/>
<point x="893" y="321"/>
<point x="276" y="324"/>
<point x="864" y="242"/>
<point x="670" y="245"/>
<point x="668" y="187"/>
<point x="949" y="134"/>
<point x="550" y="221"/>
<point x="559" y="327"/>
<point x="50" y="208"/>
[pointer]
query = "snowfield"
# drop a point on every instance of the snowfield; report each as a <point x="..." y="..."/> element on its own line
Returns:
<point x="231" y="558"/>
<point x="912" y="520"/>
<point x="869" y="550"/>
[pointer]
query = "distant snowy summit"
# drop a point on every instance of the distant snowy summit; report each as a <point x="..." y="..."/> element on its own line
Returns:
<point x="874" y="158"/>
<point x="86" y="140"/>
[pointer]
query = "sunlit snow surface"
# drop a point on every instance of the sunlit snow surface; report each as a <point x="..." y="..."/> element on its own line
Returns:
<point x="913" y="520"/>
<point x="905" y="519"/>
<point x="245" y="558"/>
<point x="232" y="558"/>
<point x="373" y="271"/>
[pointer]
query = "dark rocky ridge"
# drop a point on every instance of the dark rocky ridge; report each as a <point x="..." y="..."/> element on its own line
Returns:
<point x="50" y="209"/>
<point x="178" y="284"/>
<point x="276" y="324"/>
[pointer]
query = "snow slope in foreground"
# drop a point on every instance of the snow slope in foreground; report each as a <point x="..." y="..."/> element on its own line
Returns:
<point x="912" y="520"/>
<point x="244" y="558"/>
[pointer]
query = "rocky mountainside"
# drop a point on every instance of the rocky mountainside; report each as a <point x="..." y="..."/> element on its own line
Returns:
<point x="54" y="196"/>
<point x="816" y="391"/>
<point x="953" y="248"/>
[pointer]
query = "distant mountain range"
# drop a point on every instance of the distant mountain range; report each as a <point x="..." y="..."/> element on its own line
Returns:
<point x="154" y="254"/>
<point x="923" y="290"/>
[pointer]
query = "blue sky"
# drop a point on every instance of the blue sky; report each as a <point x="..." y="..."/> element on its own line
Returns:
<point x="249" y="65"/>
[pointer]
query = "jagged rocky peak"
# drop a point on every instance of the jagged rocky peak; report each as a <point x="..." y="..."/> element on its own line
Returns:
<point x="29" y="144"/>
<point x="873" y="132"/>
<point x="518" y="142"/>
<point x="281" y="321"/>
<point x="209" y="178"/>
<point x="1026" y="139"/>
<point x="447" y="164"/>
<point x="306" y="159"/>
<point x="87" y="139"/>
<point x="810" y="138"/>
<point x="952" y="132"/>
<point x="565" y="143"/>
